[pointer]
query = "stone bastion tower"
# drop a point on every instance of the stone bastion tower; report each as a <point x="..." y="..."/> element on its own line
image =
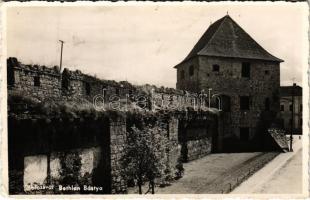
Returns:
<point x="247" y="78"/>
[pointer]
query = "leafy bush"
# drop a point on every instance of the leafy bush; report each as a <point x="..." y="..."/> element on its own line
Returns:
<point x="143" y="155"/>
<point x="180" y="169"/>
<point x="70" y="168"/>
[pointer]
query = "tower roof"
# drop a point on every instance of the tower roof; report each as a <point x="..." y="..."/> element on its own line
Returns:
<point x="225" y="38"/>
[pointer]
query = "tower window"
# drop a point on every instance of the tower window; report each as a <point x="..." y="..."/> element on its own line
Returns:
<point x="244" y="103"/>
<point x="291" y="107"/>
<point x="182" y="74"/>
<point x="225" y="103"/>
<point x="216" y="68"/>
<point x="282" y="108"/>
<point x="191" y="70"/>
<point x="36" y="81"/>
<point x="246" y="70"/>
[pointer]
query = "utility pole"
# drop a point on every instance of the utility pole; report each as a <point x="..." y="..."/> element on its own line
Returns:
<point x="62" y="43"/>
<point x="292" y="123"/>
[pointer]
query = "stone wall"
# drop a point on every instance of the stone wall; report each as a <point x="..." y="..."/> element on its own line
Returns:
<point x="39" y="143"/>
<point x="43" y="156"/>
<point x="45" y="146"/>
<point x="117" y="145"/>
<point x="47" y="171"/>
<point x="174" y="151"/>
<point x="77" y="86"/>
<point x="40" y="82"/>
<point x="186" y="81"/>
<point x="199" y="137"/>
<point x="198" y="148"/>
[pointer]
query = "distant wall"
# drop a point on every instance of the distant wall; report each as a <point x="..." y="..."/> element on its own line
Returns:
<point x="33" y="80"/>
<point x="199" y="138"/>
<point x="286" y="113"/>
<point x="43" y="83"/>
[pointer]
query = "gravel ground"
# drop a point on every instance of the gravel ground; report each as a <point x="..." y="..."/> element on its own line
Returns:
<point x="216" y="173"/>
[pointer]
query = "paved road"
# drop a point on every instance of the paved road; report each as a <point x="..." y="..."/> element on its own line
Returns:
<point x="215" y="173"/>
<point x="281" y="175"/>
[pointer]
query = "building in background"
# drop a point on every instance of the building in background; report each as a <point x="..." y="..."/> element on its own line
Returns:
<point x="228" y="61"/>
<point x="286" y="108"/>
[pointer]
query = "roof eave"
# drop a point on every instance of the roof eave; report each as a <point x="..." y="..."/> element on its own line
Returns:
<point x="274" y="60"/>
<point x="183" y="61"/>
<point x="223" y="56"/>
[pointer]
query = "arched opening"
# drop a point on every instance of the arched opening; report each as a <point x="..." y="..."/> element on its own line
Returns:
<point x="226" y="104"/>
<point x="221" y="102"/>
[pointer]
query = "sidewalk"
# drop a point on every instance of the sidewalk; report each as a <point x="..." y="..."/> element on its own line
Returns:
<point x="281" y="175"/>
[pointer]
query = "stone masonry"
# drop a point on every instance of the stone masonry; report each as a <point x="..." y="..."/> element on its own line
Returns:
<point x="245" y="77"/>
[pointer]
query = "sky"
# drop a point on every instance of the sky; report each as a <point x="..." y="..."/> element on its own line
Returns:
<point x="142" y="43"/>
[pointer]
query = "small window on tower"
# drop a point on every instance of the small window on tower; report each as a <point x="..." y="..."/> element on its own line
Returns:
<point x="246" y="70"/>
<point x="291" y="107"/>
<point x="216" y="68"/>
<point x="282" y="108"/>
<point x="191" y="70"/>
<point x="244" y="103"/>
<point x="36" y="81"/>
<point x="182" y="74"/>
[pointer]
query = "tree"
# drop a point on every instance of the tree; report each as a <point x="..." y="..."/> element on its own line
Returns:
<point x="143" y="157"/>
<point x="70" y="163"/>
